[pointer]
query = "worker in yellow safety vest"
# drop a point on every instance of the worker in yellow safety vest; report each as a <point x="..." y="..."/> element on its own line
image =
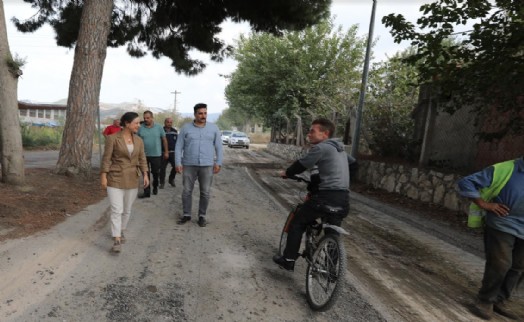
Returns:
<point x="497" y="195"/>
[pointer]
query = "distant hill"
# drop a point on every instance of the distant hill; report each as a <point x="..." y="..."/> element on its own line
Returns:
<point x="113" y="110"/>
<point x="211" y="117"/>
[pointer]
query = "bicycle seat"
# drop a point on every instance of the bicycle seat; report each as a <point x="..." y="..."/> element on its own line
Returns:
<point x="331" y="210"/>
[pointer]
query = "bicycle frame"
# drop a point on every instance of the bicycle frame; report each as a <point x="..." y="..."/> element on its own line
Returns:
<point x="313" y="235"/>
<point x="325" y="255"/>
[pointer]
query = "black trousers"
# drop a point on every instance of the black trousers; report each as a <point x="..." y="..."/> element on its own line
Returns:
<point x="153" y="164"/>
<point x="163" y="168"/>
<point x="309" y="212"/>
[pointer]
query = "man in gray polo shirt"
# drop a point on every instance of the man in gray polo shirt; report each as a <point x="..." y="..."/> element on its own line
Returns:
<point x="197" y="146"/>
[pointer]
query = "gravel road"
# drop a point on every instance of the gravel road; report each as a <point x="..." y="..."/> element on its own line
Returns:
<point x="400" y="267"/>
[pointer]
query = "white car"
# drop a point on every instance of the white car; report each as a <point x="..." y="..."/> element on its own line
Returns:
<point x="225" y="136"/>
<point x="238" y="139"/>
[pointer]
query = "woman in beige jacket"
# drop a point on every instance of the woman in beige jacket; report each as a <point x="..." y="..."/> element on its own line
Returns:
<point x="123" y="163"/>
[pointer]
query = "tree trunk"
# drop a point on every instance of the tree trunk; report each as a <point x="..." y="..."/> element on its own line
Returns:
<point x="11" y="150"/>
<point x="288" y="130"/>
<point x="300" y="135"/>
<point x="84" y="88"/>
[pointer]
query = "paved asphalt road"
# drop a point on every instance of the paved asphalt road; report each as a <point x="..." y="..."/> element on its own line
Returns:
<point x="48" y="159"/>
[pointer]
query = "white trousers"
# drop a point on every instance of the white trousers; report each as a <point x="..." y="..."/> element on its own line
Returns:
<point x="121" y="202"/>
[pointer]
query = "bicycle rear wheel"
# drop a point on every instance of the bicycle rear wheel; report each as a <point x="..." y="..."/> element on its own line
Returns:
<point x="285" y="229"/>
<point x="325" y="273"/>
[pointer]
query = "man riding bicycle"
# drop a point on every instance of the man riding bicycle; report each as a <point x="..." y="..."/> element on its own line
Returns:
<point x="329" y="166"/>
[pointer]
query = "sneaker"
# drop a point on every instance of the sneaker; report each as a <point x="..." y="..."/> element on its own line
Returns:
<point x="202" y="221"/>
<point x="502" y="309"/>
<point x="122" y="238"/>
<point x="183" y="220"/>
<point x="155" y="190"/>
<point x="161" y="186"/>
<point x="287" y="264"/>
<point x="483" y="310"/>
<point x="172" y="182"/>
<point x="145" y="195"/>
<point x="117" y="247"/>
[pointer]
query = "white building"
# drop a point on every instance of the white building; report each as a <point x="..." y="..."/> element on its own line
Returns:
<point x="42" y="114"/>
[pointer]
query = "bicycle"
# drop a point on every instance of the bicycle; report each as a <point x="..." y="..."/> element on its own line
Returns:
<point x="324" y="253"/>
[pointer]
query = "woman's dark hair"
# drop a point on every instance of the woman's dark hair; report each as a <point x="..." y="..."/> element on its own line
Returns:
<point x="128" y="117"/>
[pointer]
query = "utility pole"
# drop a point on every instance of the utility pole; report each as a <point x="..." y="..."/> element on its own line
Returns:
<point x="174" y="106"/>
<point x="356" y="135"/>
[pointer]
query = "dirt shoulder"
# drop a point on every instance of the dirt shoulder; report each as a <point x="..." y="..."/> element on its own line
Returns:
<point x="44" y="201"/>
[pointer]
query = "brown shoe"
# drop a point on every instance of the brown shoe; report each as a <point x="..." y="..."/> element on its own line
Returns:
<point x="502" y="309"/>
<point x="483" y="310"/>
<point x="117" y="247"/>
<point x="122" y="238"/>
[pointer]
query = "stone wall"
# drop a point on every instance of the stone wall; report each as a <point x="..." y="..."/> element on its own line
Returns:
<point x="286" y="151"/>
<point x="416" y="183"/>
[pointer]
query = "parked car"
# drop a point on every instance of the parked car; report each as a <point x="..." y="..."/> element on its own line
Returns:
<point x="238" y="139"/>
<point x="225" y="136"/>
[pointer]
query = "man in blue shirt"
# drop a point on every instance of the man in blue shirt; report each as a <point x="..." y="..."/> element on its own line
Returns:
<point x="197" y="146"/>
<point x="154" y="138"/>
<point x="503" y="238"/>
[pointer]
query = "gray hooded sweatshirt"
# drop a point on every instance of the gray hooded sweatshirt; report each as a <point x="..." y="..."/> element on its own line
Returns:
<point x="332" y="163"/>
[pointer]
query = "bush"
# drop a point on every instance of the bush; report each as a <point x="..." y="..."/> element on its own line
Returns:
<point x="259" y="138"/>
<point x="41" y="137"/>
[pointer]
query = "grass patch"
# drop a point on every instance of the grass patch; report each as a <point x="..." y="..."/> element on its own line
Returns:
<point x="36" y="137"/>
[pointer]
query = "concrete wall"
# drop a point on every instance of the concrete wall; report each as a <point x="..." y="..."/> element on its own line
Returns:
<point x="453" y="143"/>
<point x="416" y="183"/>
<point x="452" y="140"/>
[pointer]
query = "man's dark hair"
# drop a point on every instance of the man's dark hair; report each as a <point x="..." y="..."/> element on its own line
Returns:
<point x="199" y="106"/>
<point x="128" y="117"/>
<point x="325" y="125"/>
<point x="148" y="112"/>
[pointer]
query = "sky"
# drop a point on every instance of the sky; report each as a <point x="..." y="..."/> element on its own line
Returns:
<point x="153" y="81"/>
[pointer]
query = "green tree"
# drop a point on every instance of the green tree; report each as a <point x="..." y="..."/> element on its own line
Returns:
<point x="392" y="95"/>
<point x="165" y="28"/>
<point x="233" y="118"/>
<point x="309" y="73"/>
<point x="485" y="68"/>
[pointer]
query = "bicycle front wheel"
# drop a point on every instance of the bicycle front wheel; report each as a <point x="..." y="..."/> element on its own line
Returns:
<point x="325" y="273"/>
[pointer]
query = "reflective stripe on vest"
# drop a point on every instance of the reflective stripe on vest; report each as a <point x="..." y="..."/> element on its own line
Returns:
<point x="501" y="174"/>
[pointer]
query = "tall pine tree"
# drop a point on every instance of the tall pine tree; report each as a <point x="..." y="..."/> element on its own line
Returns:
<point x="166" y="28"/>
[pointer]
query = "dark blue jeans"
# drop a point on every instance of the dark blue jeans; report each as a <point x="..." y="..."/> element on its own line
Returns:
<point x="504" y="265"/>
<point x="309" y="212"/>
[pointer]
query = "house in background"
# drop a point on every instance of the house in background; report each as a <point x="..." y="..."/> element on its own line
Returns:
<point x="38" y="114"/>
